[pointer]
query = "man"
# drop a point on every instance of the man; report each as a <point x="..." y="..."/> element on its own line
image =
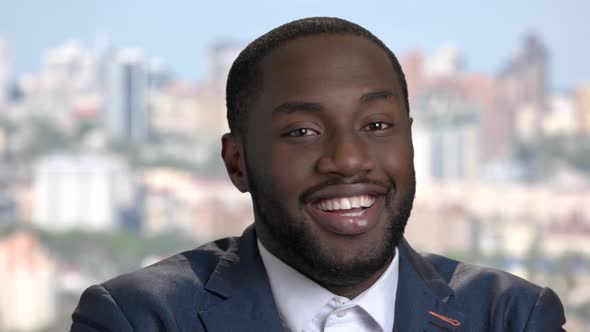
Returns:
<point x="321" y="139"/>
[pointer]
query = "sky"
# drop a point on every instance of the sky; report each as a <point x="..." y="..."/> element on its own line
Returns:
<point x="487" y="33"/>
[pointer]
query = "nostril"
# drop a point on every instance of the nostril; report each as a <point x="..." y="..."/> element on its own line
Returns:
<point x="348" y="165"/>
<point x="345" y="154"/>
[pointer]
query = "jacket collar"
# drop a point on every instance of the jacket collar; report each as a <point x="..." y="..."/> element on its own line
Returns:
<point x="241" y="281"/>
<point x="423" y="300"/>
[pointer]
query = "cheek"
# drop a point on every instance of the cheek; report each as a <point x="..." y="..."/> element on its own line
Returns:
<point x="286" y="170"/>
<point x="397" y="161"/>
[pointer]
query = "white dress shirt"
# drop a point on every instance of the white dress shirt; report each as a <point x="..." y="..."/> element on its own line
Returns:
<point x="305" y="306"/>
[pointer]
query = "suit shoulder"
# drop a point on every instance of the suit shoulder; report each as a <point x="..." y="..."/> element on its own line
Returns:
<point x="163" y="296"/>
<point x="461" y="275"/>
<point x="469" y="275"/>
<point x="495" y="291"/>
<point x="178" y="277"/>
<point x="509" y="299"/>
<point x="498" y="297"/>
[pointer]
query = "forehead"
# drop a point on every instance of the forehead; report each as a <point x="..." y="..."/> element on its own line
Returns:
<point x="313" y="66"/>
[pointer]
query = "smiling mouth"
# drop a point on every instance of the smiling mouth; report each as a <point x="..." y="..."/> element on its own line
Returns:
<point x="347" y="215"/>
<point x="346" y="206"/>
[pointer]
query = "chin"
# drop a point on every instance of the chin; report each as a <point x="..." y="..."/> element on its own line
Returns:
<point x="350" y="265"/>
<point x="338" y="260"/>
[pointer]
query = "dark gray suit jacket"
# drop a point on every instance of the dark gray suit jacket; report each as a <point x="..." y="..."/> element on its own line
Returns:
<point x="223" y="287"/>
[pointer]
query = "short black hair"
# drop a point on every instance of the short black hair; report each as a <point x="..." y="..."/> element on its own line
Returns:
<point x="244" y="79"/>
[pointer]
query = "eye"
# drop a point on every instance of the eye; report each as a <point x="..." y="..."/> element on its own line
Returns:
<point x="375" y="126"/>
<point x="300" y="132"/>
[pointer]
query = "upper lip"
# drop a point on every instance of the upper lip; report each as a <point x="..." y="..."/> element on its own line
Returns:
<point x="345" y="190"/>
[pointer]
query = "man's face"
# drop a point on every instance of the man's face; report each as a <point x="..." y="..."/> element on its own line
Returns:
<point x="329" y="158"/>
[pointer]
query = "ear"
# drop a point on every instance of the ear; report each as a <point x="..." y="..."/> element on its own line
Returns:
<point x="232" y="152"/>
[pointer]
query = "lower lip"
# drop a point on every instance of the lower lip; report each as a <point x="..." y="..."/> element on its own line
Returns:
<point x="347" y="225"/>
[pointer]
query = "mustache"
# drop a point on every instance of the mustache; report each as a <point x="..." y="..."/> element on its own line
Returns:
<point x="345" y="181"/>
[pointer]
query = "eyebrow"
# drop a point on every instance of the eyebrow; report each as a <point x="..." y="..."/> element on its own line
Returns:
<point x="378" y="95"/>
<point x="295" y="106"/>
<point x="292" y="107"/>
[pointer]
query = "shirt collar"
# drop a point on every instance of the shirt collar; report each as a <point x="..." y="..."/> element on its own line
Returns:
<point x="379" y="299"/>
<point x="299" y="298"/>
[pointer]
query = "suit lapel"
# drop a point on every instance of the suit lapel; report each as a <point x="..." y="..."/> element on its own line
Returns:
<point x="240" y="279"/>
<point x="423" y="296"/>
<point x="423" y="300"/>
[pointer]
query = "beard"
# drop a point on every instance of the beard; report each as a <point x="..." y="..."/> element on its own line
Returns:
<point x="293" y="240"/>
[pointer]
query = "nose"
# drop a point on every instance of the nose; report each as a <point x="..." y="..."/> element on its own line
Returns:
<point x="345" y="155"/>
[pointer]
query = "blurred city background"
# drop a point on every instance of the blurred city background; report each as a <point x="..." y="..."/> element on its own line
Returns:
<point x="111" y="115"/>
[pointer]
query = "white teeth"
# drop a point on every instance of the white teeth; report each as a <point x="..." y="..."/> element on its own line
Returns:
<point x="336" y="204"/>
<point x="355" y="202"/>
<point x="346" y="203"/>
<point x="367" y="201"/>
<point x="354" y="214"/>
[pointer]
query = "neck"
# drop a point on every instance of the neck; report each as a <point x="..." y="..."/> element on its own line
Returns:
<point x="348" y="290"/>
<point x="352" y="291"/>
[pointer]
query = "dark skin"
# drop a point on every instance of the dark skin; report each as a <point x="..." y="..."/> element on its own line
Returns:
<point x="329" y="122"/>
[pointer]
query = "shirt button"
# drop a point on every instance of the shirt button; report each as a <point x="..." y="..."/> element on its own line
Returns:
<point x="341" y="314"/>
<point x="339" y="300"/>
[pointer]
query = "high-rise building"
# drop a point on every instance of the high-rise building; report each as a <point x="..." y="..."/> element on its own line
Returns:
<point x="84" y="192"/>
<point x="528" y="71"/>
<point x="523" y="90"/>
<point x="456" y="147"/>
<point x="125" y="84"/>
<point x="496" y="118"/>
<point x="28" y="284"/>
<point x="3" y="73"/>
<point x="449" y="135"/>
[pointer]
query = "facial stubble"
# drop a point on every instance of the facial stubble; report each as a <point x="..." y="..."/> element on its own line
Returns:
<point x="293" y="240"/>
